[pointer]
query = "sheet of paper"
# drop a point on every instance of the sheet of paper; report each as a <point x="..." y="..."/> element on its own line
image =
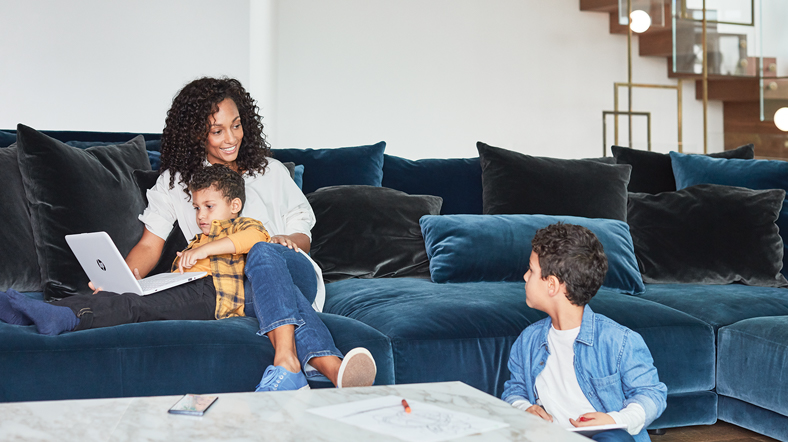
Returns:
<point x="425" y="422"/>
<point x="594" y="429"/>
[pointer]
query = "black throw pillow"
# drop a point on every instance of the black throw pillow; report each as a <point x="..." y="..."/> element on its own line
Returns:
<point x="175" y="241"/>
<point x="652" y="172"/>
<point x="708" y="234"/>
<point x="71" y="190"/>
<point x="18" y="261"/>
<point x="370" y="232"/>
<point x="515" y="183"/>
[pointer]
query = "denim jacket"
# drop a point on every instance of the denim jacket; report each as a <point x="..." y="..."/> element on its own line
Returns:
<point x="613" y="366"/>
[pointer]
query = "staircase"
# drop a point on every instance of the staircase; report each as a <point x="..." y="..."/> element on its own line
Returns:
<point x="737" y="86"/>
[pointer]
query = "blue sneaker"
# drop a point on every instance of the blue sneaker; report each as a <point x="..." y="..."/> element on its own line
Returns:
<point x="278" y="378"/>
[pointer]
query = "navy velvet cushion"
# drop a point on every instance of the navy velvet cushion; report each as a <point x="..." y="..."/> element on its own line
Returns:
<point x="72" y="190"/>
<point x="708" y="234"/>
<point x="18" y="263"/>
<point x="470" y="248"/>
<point x="652" y="171"/>
<point x="751" y="365"/>
<point x="457" y="180"/>
<point x="156" y="358"/>
<point x="514" y="183"/>
<point x="451" y="332"/>
<point x="7" y="138"/>
<point x="361" y="165"/>
<point x="752" y="174"/>
<point x="369" y="232"/>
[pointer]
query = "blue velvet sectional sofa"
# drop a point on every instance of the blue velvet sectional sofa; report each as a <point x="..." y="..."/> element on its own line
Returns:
<point x="720" y="349"/>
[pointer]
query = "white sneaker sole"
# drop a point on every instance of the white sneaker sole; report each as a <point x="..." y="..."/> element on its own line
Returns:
<point x="358" y="369"/>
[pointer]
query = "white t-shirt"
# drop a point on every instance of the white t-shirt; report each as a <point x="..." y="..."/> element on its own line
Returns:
<point x="560" y="393"/>
<point x="272" y="198"/>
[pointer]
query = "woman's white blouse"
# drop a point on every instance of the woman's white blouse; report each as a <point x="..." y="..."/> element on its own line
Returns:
<point x="272" y="198"/>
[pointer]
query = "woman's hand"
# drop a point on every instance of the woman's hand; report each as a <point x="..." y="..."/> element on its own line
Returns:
<point x="92" y="287"/>
<point x="286" y="241"/>
<point x="538" y="410"/>
<point x="595" y="418"/>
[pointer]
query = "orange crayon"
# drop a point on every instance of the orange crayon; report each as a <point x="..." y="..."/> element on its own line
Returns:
<point x="407" y="407"/>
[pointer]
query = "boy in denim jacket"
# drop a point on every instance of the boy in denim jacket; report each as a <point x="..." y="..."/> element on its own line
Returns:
<point x="578" y="368"/>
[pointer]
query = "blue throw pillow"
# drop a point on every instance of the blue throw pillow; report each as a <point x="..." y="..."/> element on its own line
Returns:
<point x="361" y="165"/>
<point x="155" y="159"/>
<point x="690" y="170"/>
<point x="470" y="248"/>
<point x="298" y="176"/>
<point x="457" y="180"/>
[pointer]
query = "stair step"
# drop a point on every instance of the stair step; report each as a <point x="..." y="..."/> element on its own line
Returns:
<point x="742" y="125"/>
<point x="599" y="5"/>
<point x="658" y="43"/>
<point x="751" y="71"/>
<point x="740" y="89"/>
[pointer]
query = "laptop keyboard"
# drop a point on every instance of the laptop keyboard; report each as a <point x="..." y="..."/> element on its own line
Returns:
<point x="159" y="280"/>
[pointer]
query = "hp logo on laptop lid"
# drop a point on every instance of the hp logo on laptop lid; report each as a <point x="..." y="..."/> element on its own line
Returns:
<point x="101" y="265"/>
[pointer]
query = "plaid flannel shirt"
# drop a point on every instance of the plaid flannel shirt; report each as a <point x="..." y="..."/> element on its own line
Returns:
<point x="227" y="270"/>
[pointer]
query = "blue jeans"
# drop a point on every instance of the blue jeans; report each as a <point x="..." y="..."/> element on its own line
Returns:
<point x="613" y="436"/>
<point x="279" y="290"/>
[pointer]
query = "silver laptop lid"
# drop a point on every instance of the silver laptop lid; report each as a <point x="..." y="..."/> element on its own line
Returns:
<point x="103" y="263"/>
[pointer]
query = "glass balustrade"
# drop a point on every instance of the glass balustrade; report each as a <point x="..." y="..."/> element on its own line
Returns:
<point x="774" y="48"/>
<point x="731" y="37"/>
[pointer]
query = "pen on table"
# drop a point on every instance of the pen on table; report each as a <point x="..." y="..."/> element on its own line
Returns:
<point x="407" y="407"/>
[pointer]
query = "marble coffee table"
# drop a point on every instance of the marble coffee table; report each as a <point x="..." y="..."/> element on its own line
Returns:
<point x="256" y="416"/>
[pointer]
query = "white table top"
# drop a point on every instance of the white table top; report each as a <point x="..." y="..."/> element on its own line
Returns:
<point x="255" y="416"/>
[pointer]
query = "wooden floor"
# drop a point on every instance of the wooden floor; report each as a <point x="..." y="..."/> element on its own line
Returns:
<point x="719" y="432"/>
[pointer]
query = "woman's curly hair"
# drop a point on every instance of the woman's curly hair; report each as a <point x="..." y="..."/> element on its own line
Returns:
<point x="187" y="125"/>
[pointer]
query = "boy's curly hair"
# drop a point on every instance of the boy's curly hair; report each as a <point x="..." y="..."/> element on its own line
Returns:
<point x="187" y="125"/>
<point x="574" y="255"/>
<point x="225" y="180"/>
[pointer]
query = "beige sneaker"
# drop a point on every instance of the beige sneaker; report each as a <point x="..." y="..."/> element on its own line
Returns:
<point x="358" y="369"/>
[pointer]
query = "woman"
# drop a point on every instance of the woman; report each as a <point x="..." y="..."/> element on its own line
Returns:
<point x="215" y="121"/>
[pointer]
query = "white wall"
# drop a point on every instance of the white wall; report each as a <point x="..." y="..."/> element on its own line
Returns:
<point x="433" y="77"/>
<point x="430" y="77"/>
<point x="113" y="65"/>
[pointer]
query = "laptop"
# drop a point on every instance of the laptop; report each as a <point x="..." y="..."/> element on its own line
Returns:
<point x="106" y="268"/>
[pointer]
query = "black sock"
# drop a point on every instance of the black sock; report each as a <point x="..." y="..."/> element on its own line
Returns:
<point x="50" y="319"/>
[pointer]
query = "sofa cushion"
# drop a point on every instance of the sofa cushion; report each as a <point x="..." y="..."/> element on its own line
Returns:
<point x="338" y="166"/>
<point x="469" y="248"/>
<point x="7" y="138"/>
<point x="752" y="358"/>
<point x="720" y="305"/>
<point x="708" y="234"/>
<point x="457" y="180"/>
<point x="369" y="232"/>
<point x="514" y="183"/>
<point x="464" y="332"/>
<point x="19" y="264"/>
<point x="156" y="358"/>
<point x="72" y="190"/>
<point x="752" y="174"/>
<point x="752" y="417"/>
<point x="652" y="171"/>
